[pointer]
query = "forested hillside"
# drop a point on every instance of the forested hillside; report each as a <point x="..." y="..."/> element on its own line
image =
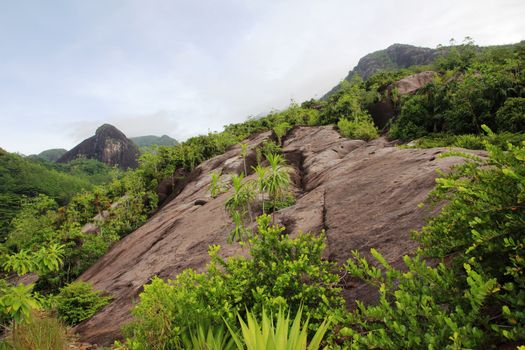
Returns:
<point x="51" y="155"/>
<point x="471" y="296"/>
<point x="24" y="178"/>
<point x="151" y="140"/>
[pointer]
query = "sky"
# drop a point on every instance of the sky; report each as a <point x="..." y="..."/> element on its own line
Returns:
<point x="184" y="68"/>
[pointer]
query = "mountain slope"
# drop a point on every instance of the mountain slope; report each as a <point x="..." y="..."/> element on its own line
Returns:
<point x="109" y="145"/>
<point x="363" y="194"/>
<point x="24" y="177"/>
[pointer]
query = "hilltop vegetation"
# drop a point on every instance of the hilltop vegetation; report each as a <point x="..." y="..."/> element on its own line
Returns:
<point x="52" y="155"/>
<point x="151" y="140"/>
<point x="473" y="297"/>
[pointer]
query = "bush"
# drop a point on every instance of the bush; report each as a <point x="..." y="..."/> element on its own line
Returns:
<point x="283" y="273"/>
<point x="41" y="332"/>
<point x="78" y="301"/>
<point x="405" y="131"/>
<point x="482" y="225"/>
<point x="414" y="119"/>
<point x="419" y="307"/>
<point x="511" y="116"/>
<point x="475" y="299"/>
<point x="363" y="129"/>
<point x="469" y="141"/>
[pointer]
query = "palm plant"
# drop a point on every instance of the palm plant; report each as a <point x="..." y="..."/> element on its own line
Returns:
<point x="262" y="179"/>
<point x="238" y="204"/>
<point x="244" y="154"/>
<point x="216" y="187"/>
<point x="278" y="178"/>
<point x="283" y="334"/>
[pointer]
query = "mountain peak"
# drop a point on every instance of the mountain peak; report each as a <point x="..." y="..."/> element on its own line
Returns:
<point x="109" y="145"/>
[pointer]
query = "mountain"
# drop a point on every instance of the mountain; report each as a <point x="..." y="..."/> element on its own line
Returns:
<point x="109" y="145"/>
<point x="396" y="56"/>
<point x="364" y="194"/>
<point x="150" y="140"/>
<point x="52" y="155"/>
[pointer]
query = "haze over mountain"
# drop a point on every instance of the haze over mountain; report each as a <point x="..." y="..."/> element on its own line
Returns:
<point x="183" y="68"/>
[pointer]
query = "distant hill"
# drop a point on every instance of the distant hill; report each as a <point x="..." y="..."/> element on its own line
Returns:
<point x="109" y="145"/>
<point x="52" y="155"/>
<point x="150" y="140"/>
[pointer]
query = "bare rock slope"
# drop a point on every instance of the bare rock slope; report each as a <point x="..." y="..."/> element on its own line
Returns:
<point x="363" y="194"/>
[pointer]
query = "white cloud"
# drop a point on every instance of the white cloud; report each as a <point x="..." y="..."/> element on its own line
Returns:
<point x="183" y="67"/>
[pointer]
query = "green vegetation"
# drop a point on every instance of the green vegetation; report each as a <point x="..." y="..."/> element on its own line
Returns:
<point x="475" y="300"/>
<point x="269" y="191"/>
<point x="278" y="335"/>
<point x="473" y="87"/>
<point x="469" y="141"/>
<point x="282" y="274"/>
<point x="358" y="129"/>
<point x="51" y="155"/>
<point x="23" y="177"/>
<point x="151" y="140"/>
<point x="41" y="332"/>
<point x="77" y="302"/>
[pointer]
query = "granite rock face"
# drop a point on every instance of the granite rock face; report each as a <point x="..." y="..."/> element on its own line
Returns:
<point x="109" y="145"/>
<point x="363" y="194"/>
<point x="383" y="111"/>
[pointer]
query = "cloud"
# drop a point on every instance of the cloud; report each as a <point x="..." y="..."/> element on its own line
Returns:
<point x="186" y="67"/>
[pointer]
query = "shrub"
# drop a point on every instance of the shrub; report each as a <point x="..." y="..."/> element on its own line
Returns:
<point x="283" y="273"/>
<point x="469" y="141"/>
<point x="511" y="116"/>
<point x="417" y="309"/>
<point x="406" y="131"/>
<point x="41" y="332"/>
<point x="414" y="119"/>
<point x="482" y="225"/>
<point x="280" y="130"/>
<point x="476" y="299"/>
<point x="363" y="129"/>
<point x="78" y="301"/>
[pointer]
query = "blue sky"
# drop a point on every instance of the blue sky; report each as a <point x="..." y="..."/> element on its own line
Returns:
<point x="185" y="67"/>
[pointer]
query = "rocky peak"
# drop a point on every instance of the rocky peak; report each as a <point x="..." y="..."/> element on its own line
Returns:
<point x="108" y="130"/>
<point x="109" y="145"/>
<point x="396" y="56"/>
